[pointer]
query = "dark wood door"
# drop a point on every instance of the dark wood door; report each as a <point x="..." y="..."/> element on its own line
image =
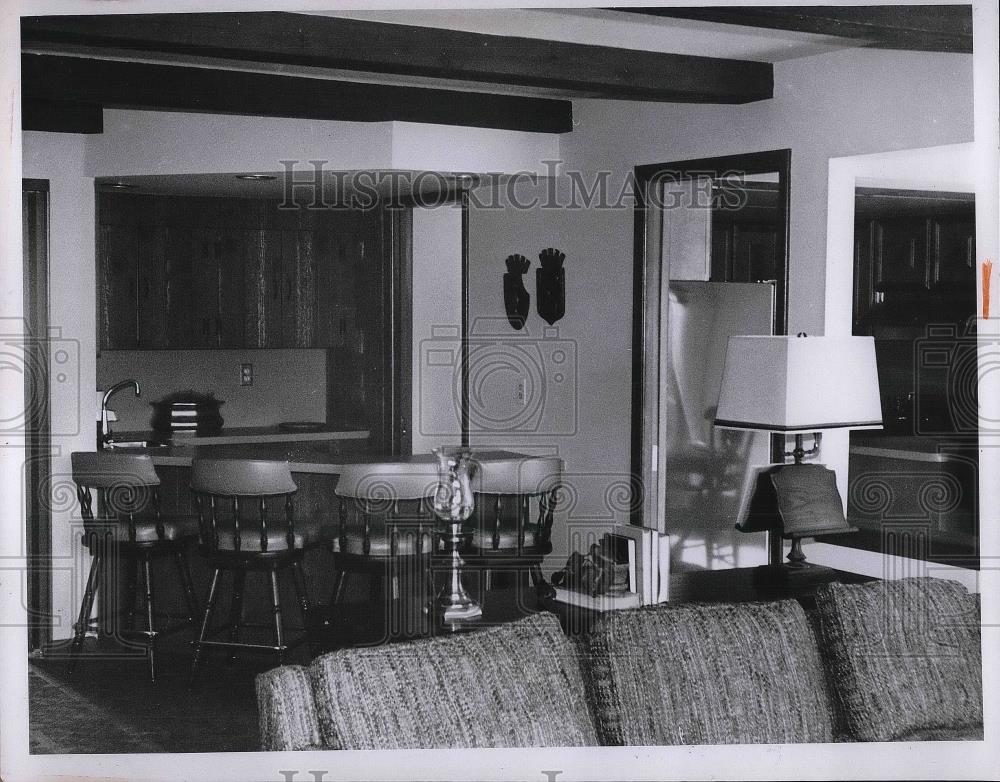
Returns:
<point x="153" y="284"/>
<point x="179" y="257"/>
<point x="262" y="288"/>
<point x="205" y="292"/>
<point x="231" y="246"/>
<point x="954" y="251"/>
<point x="298" y="302"/>
<point x="117" y="246"/>
<point x="901" y="255"/>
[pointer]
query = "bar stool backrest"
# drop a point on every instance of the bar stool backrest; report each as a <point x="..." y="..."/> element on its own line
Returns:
<point x="126" y="486"/>
<point x="387" y="498"/>
<point x="505" y="491"/>
<point x="242" y="494"/>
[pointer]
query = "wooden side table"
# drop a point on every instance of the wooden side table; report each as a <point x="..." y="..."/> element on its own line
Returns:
<point x="734" y="585"/>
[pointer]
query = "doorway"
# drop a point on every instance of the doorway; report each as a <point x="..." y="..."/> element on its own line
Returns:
<point x="38" y="519"/>
<point x="705" y="226"/>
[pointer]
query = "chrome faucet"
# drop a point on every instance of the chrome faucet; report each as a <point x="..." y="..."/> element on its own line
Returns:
<point x="105" y="428"/>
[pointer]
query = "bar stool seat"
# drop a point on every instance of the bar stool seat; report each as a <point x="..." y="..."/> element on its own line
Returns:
<point x="126" y="518"/>
<point x="247" y="523"/>
<point x="174" y="528"/>
<point x="379" y="540"/>
<point x="386" y="524"/>
<point x="511" y="526"/>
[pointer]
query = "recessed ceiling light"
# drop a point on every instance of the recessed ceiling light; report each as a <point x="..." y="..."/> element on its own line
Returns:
<point x="117" y="185"/>
<point x="256" y="177"/>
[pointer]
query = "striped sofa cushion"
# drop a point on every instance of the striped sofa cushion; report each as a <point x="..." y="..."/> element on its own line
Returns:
<point x="707" y="674"/>
<point x="514" y="685"/>
<point x="905" y="658"/>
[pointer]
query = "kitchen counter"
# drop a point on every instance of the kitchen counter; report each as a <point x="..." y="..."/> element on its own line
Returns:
<point x="248" y="434"/>
<point x="315" y="457"/>
<point x="913" y="448"/>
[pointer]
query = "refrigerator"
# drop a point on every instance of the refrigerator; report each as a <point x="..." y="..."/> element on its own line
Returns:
<point x="708" y="473"/>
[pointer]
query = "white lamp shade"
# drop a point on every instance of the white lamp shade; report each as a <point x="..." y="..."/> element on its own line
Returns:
<point x="799" y="384"/>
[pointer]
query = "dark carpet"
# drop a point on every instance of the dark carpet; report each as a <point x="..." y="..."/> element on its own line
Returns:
<point x="108" y="705"/>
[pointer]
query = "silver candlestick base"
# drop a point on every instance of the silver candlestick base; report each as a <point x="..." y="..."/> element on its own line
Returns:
<point x="454" y="605"/>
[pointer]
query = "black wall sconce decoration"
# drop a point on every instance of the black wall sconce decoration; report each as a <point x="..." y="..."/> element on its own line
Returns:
<point x="550" y="279"/>
<point x="516" y="299"/>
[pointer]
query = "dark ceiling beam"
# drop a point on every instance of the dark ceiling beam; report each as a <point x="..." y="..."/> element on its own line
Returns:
<point x="373" y="47"/>
<point x="117" y="84"/>
<point x="932" y="28"/>
<point x="62" y="116"/>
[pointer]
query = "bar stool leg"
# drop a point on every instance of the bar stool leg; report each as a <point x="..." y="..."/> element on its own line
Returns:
<point x="209" y="605"/>
<point x="300" y="589"/>
<point x="131" y="591"/>
<point x="236" y="610"/>
<point x="83" y="622"/>
<point x="338" y="588"/>
<point x="147" y="571"/>
<point x="187" y="584"/>
<point x="278" y="630"/>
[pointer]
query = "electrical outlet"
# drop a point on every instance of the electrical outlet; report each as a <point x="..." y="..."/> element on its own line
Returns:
<point x="519" y="391"/>
<point x="246" y="374"/>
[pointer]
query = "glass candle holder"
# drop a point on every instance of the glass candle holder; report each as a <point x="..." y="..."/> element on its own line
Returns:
<point x="453" y="505"/>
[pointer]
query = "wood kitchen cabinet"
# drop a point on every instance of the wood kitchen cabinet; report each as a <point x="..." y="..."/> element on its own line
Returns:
<point x="902" y="261"/>
<point x="201" y="272"/>
<point x="913" y="270"/>
<point x="745" y="242"/>
<point x="954" y="252"/>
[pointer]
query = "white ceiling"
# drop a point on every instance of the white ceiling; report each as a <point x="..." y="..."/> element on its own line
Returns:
<point x="602" y="27"/>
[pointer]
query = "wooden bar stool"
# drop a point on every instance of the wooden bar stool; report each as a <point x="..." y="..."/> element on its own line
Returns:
<point x="127" y="520"/>
<point x="386" y="524"/>
<point x="247" y="523"/>
<point x="511" y="526"/>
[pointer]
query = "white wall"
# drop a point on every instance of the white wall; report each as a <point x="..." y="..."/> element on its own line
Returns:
<point x="437" y="327"/>
<point x="60" y="158"/>
<point x="288" y="385"/>
<point x="577" y="372"/>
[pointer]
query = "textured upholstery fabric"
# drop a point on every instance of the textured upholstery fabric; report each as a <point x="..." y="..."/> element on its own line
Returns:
<point x="904" y="656"/>
<point x="481" y="541"/>
<point x="287" y="710"/>
<point x="514" y="685"/>
<point x="707" y="674"/>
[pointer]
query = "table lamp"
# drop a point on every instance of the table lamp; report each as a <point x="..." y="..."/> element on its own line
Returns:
<point x="798" y="385"/>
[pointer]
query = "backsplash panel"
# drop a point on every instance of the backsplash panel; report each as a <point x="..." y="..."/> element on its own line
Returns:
<point x="288" y="385"/>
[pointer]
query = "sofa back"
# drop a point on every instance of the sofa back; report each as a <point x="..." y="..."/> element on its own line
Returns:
<point x="513" y="685"/>
<point x="714" y="673"/>
<point x="881" y="661"/>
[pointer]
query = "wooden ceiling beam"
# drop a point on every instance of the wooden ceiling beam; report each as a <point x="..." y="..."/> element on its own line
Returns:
<point x="373" y="47"/>
<point x="117" y="84"/>
<point x="932" y="28"/>
<point x="62" y="116"/>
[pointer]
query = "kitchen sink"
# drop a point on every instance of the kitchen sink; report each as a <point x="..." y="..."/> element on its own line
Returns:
<point x="133" y="444"/>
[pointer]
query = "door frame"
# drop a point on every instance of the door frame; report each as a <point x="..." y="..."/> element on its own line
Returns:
<point x="38" y="440"/>
<point x="647" y="309"/>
